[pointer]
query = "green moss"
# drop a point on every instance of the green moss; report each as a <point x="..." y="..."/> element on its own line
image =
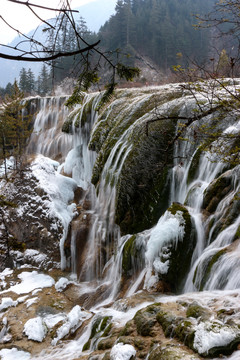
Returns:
<point x="104" y="322"/>
<point x="128" y="253"/>
<point x="87" y="345"/>
<point x="107" y="330"/>
<point x="211" y="261"/>
<point x="237" y="235"/>
<point x="216" y="191"/>
<point x="100" y="327"/>
<point x="195" y="310"/>
<point x="194" y="165"/>
<point x="145" y="320"/>
<point x="67" y="126"/>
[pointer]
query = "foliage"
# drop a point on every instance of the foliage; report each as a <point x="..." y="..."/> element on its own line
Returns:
<point x="158" y="29"/>
<point x="91" y="77"/>
<point x="15" y="128"/>
<point x="26" y="81"/>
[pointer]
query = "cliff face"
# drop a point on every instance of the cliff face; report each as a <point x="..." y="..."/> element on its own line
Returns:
<point x="134" y="214"/>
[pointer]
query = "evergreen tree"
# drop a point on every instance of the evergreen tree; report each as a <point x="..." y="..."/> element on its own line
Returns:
<point x="23" y="81"/>
<point x="30" y="81"/>
<point x="158" y="29"/>
<point x="44" y="81"/>
<point x="15" y="128"/>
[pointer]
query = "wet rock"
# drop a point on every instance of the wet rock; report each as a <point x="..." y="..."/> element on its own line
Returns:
<point x="172" y="352"/>
<point x="216" y="191"/>
<point x="29" y="225"/>
<point x="143" y="182"/>
<point x="132" y="256"/>
<point x="145" y="320"/>
<point x="173" y="252"/>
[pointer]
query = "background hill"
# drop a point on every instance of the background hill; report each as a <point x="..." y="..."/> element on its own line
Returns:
<point x="151" y="34"/>
<point x="95" y="14"/>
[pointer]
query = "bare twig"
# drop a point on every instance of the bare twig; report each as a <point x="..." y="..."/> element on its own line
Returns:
<point x="49" y="58"/>
<point x="42" y="7"/>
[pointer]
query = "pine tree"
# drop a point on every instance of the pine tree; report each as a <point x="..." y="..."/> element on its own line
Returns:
<point x="44" y="81"/>
<point x="23" y="81"/>
<point x="30" y="81"/>
<point x="15" y="128"/>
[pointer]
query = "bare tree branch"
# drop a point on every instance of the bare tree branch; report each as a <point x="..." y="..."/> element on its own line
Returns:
<point x="42" y="7"/>
<point x="49" y="58"/>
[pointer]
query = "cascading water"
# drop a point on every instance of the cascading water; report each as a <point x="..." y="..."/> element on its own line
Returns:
<point x="127" y="137"/>
<point x="104" y="239"/>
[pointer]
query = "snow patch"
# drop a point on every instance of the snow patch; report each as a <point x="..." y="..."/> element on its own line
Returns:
<point x="29" y="302"/>
<point x="30" y="281"/>
<point x="209" y="335"/>
<point x="13" y="354"/>
<point x="61" y="284"/>
<point x="169" y="229"/>
<point x="61" y="193"/>
<point x="6" y="303"/>
<point x="122" y="351"/>
<point x="52" y="320"/>
<point x="74" y="320"/>
<point x="35" y="329"/>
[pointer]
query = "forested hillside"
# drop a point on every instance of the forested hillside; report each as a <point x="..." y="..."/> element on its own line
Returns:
<point x="159" y="29"/>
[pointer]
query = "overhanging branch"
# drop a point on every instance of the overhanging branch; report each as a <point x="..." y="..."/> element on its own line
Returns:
<point x="26" y="3"/>
<point x="48" y="58"/>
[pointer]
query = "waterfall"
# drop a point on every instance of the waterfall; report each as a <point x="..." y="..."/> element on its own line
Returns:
<point x="191" y="175"/>
<point x="140" y="220"/>
<point x="47" y="138"/>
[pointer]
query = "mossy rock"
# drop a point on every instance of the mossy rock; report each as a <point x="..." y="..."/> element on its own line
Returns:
<point x="168" y="322"/>
<point x="228" y="218"/>
<point x="132" y="257"/>
<point x="206" y="269"/>
<point x="183" y="249"/>
<point x="101" y="326"/>
<point x="145" y="320"/>
<point x="221" y="345"/>
<point x="192" y="173"/>
<point x="14" y="244"/>
<point x="176" y="326"/>
<point x="196" y="311"/>
<point x="79" y="116"/>
<point x="105" y="344"/>
<point x="67" y="126"/>
<point x="216" y="191"/>
<point x="184" y="331"/>
<point x="128" y="329"/>
<point x="143" y="187"/>
<point x="172" y="352"/>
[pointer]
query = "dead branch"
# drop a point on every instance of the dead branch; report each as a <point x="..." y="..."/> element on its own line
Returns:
<point x="49" y="58"/>
<point x="42" y="7"/>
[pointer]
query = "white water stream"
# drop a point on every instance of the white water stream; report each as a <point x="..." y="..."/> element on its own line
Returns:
<point x="78" y="161"/>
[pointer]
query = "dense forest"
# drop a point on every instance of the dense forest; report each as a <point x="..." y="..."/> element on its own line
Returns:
<point x="161" y="30"/>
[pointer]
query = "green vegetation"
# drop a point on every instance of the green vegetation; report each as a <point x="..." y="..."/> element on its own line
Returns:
<point x="159" y="29"/>
<point x="15" y="128"/>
